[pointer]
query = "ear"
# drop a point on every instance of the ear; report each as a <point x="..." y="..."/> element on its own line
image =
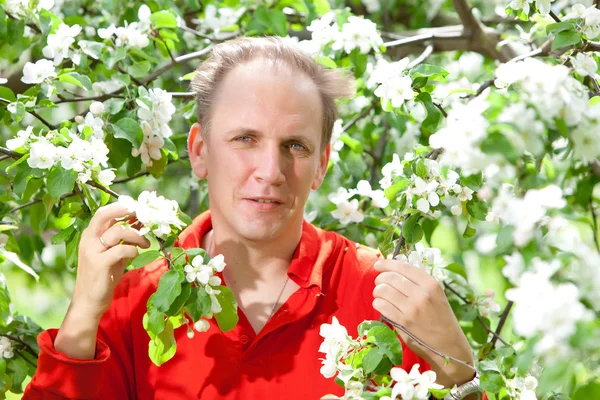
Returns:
<point x="322" y="168"/>
<point x="197" y="150"/>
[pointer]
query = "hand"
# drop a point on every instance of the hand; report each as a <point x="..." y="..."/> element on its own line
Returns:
<point x="412" y="298"/>
<point x="100" y="267"/>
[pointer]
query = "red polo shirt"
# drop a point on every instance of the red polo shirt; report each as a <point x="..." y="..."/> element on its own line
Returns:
<point x="336" y="278"/>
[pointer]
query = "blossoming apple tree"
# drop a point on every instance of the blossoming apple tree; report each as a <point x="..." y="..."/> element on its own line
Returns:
<point x="471" y="150"/>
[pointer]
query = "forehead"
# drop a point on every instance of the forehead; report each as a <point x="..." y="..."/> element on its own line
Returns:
<point x="265" y="97"/>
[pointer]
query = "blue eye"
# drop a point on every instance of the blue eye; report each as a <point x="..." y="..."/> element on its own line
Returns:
<point x="240" y="138"/>
<point x="297" y="146"/>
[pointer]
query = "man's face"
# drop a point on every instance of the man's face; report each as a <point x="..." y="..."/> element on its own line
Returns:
<point x="262" y="155"/>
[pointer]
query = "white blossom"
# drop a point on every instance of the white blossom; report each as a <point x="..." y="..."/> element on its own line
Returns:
<point x="97" y="107"/>
<point x="347" y="211"/>
<point x="540" y="307"/>
<point x="42" y="154"/>
<point x="37" y="73"/>
<point x="6" y="348"/>
<point x="358" y="33"/>
<point x="106" y="177"/>
<point x="216" y="19"/>
<point x="202" y="325"/>
<point x="413" y="385"/>
<point x="59" y="43"/>
<point x="95" y="123"/>
<point x="585" y="65"/>
<point x="21" y="139"/>
<point x="390" y="171"/>
<point x="156" y="213"/>
<point x="427" y="259"/>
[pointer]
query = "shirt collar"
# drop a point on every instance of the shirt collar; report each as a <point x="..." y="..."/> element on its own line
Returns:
<point x="310" y="256"/>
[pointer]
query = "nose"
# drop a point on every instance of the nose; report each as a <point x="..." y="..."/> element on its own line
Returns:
<point x="270" y="165"/>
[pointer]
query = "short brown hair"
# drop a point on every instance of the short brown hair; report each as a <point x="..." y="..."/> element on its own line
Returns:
<point x="332" y="84"/>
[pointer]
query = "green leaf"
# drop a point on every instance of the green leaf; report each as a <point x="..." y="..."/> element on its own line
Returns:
<point x="62" y="236"/>
<point x="439" y="393"/>
<point x="198" y="303"/>
<point x="411" y="230"/>
<point x="491" y="382"/>
<point x="355" y="145"/>
<point x="372" y="360"/>
<point x="434" y="115"/>
<point x="20" y="370"/>
<point x="365" y="326"/>
<point x="419" y="82"/>
<point x="60" y="181"/>
<point x="163" y="346"/>
<point x="360" y="62"/>
<point x="559" y="27"/>
<point x="474" y="181"/>
<point x="228" y="317"/>
<point x="76" y="79"/>
<point x="469" y="232"/>
<point x="163" y="19"/>
<point x="169" y="287"/>
<point x="392" y="192"/>
<point x="479" y="333"/>
<point x="180" y="300"/>
<point x="130" y="130"/>
<point x="429" y="226"/>
<point x="72" y="250"/>
<point x="388" y="342"/>
<point x="154" y="322"/>
<point x="420" y="168"/>
<point x="497" y="143"/>
<point x="17" y="111"/>
<point x="457" y="269"/>
<point x="590" y="390"/>
<point x="386" y="247"/>
<point x="432" y="72"/>
<point x="33" y="185"/>
<point x="278" y="22"/>
<point x="326" y="61"/>
<point x="566" y="38"/>
<point x="2" y="24"/>
<point x="145" y="258"/>
<point x="8" y="95"/>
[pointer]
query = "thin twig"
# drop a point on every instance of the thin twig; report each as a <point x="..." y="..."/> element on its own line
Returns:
<point x="594" y="223"/>
<point x="27" y="347"/>
<point x="106" y="190"/>
<point x="419" y="341"/>
<point x="10" y="153"/>
<point x="425" y="37"/>
<point x="479" y="317"/>
<point x="86" y="208"/>
<point x="32" y="202"/>
<point x="42" y="120"/>
<point x="178" y="60"/>
<point x="28" y="361"/>
<point x="360" y="116"/>
<point x="554" y="16"/>
<point x="159" y="36"/>
<point x="424" y="55"/>
<point x="5" y="157"/>
<point x="501" y="323"/>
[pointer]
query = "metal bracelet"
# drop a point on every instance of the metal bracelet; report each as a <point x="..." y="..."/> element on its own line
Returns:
<point x="461" y="392"/>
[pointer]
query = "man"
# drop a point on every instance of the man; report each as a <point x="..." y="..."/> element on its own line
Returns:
<point x="265" y="115"/>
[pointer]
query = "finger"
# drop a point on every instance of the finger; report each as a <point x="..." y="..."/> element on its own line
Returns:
<point x="106" y="216"/>
<point x="388" y="310"/>
<point x="124" y="234"/>
<point x="418" y="276"/>
<point x="399" y="282"/>
<point x="120" y="252"/>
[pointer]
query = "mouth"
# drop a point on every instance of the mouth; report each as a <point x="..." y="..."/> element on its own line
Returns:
<point x="265" y="204"/>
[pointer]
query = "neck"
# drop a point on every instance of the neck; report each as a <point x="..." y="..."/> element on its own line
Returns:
<point x="249" y="260"/>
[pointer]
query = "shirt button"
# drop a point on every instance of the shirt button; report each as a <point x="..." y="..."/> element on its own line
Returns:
<point x="244" y="339"/>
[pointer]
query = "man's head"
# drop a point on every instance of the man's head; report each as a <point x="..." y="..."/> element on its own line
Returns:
<point x="265" y="112"/>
